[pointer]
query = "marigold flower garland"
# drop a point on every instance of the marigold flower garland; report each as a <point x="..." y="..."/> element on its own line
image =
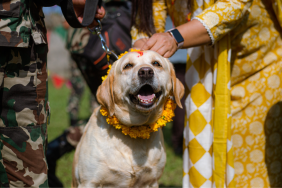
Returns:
<point x="142" y="131"/>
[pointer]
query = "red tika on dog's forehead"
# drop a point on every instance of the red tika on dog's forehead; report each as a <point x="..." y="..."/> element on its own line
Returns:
<point x="140" y="53"/>
<point x="143" y="57"/>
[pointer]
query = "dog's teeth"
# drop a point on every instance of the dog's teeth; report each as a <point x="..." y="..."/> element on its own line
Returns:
<point x="146" y="101"/>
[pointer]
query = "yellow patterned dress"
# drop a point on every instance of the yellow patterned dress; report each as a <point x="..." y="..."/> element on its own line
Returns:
<point x="246" y="37"/>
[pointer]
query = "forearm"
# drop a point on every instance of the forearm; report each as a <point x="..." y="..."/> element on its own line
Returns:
<point x="207" y="28"/>
<point x="194" y="34"/>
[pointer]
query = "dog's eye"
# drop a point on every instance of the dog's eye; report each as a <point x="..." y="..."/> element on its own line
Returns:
<point x="127" y="66"/>
<point x="155" y="63"/>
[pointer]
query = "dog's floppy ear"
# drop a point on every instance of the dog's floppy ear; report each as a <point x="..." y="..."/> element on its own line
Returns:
<point x="105" y="94"/>
<point x="178" y="88"/>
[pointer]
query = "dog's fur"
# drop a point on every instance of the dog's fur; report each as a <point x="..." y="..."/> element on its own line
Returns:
<point x="107" y="158"/>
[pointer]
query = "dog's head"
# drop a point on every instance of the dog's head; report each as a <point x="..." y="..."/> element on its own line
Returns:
<point x="137" y="87"/>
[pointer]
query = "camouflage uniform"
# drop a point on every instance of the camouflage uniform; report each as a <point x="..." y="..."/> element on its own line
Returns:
<point x="77" y="89"/>
<point x="24" y="110"/>
<point x="77" y="39"/>
<point x="21" y="21"/>
<point x="74" y="133"/>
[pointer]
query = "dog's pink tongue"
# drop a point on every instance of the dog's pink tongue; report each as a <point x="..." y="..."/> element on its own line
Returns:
<point x="147" y="97"/>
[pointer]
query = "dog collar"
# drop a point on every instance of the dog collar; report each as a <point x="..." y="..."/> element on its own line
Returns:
<point x="142" y="131"/>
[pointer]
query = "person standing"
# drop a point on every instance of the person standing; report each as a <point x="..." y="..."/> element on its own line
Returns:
<point x="233" y="85"/>
<point x="24" y="110"/>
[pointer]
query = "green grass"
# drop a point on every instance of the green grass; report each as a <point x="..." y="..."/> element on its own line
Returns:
<point x="58" y="98"/>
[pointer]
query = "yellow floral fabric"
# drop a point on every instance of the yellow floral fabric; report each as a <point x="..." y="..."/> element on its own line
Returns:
<point x="224" y="16"/>
<point x="255" y="87"/>
<point x="252" y="27"/>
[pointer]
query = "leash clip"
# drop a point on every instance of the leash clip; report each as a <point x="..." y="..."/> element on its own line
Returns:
<point x="97" y="31"/>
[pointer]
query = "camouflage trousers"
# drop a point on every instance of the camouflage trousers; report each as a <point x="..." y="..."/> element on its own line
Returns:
<point x="74" y="133"/>
<point x="78" y="86"/>
<point x="77" y="89"/>
<point x="24" y="115"/>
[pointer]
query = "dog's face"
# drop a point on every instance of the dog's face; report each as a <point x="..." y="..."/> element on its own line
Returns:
<point x="137" y="87"/>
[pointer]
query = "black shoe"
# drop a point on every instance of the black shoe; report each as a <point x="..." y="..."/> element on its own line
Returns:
<point x="73" y="122"/>
<point x="56" y="149"/>
<point x="54" y="181"/>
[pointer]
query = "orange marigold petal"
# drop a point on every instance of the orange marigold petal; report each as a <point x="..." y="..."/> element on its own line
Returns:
<point x="145" y="130"/>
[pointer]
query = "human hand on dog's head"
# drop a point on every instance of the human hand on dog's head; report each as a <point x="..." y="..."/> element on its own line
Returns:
<point x="138" y="86"/>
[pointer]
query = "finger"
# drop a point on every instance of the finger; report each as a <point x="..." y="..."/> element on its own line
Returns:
<point x="167" y="54"/>
<point x="149" y="44"/>
<point x="162" y="51"/>
<point x="99" y="16"/>
<point x="93" y="24"/>
<point x="157" y="46"/>
<point x="159" y="43"/>
<point x="170" y="52"/>
<point x="80" y="18"/>
<point x="100" y="13"/>
<point x="139" y="43"/>
<point x="99" y="10"/>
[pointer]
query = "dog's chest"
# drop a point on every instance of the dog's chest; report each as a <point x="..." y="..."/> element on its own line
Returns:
<point x="109" y="158"/>
<point x="136" y="169"/>
<point x="125" y="163"/>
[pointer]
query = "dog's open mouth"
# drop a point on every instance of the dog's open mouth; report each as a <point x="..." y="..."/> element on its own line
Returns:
<point x="145" y="97"/>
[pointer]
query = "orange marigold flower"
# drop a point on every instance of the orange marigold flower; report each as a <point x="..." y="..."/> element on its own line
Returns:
<point x="144" y="130"/>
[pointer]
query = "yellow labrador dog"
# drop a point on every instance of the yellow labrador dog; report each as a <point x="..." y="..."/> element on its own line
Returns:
<point x="135" y="91"/>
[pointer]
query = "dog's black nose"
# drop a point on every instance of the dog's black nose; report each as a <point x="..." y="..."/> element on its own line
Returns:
<point x="146" y="72"/>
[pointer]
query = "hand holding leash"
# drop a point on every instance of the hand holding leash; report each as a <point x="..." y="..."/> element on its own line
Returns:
<point x="80" y="13"/>
<point x="97" y="31"/>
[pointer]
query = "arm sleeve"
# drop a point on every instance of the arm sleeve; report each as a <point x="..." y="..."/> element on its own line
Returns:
<point x="159" y="18"/>
<point x="223" y="16"/>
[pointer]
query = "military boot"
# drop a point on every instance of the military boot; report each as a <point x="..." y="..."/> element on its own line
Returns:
<point x="55" y="150"/>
